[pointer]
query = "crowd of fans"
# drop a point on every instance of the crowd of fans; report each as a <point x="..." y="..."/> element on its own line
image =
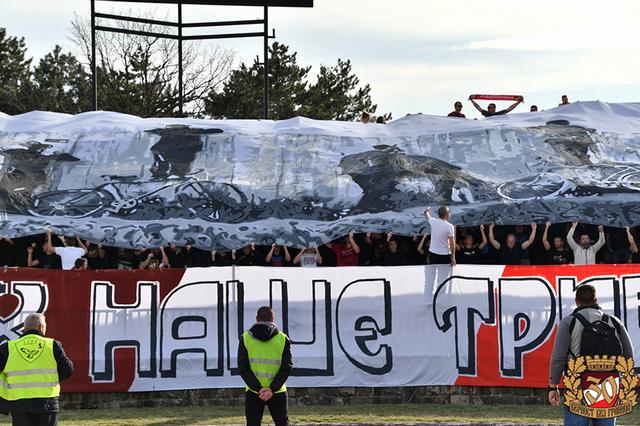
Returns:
<point x="491" y="110"/>
<point x="557" y="244"/>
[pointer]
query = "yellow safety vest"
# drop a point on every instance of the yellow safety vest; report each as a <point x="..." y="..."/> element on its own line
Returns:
<point x="265" y="358"/>
<point x="31" y="370"/>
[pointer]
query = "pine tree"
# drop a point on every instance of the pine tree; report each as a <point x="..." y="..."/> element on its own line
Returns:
<point x="242" y="94"/>
<point x="15" y="74"/>
<point x="61" y="84"/>
<point x="336" y="95"/>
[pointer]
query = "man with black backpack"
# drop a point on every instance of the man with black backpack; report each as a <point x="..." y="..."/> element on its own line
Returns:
<point x="587" y="331"/>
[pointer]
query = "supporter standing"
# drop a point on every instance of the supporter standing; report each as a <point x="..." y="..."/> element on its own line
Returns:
<point x="194" y="257"/>
<point x="457" y="110"/>
<point x="618" y="244"/>
<point x="470" y="253"/>
<point x="491" y="108"/>
<point x="393" y="255"/>
<point x="511" y="253"/>
<point x="47" y="259"/>
<point x="442" y="249"/>
<point x="127" y="259"/>
<point x="558" y="254"/>
<point x="68" y="253"/>
<point x="583" y="252"/>
<point x="565" y="100"/>
<point x="153" y="259"/>
<point x="248" y="256"/>
<point x="176" y="256"/>
<point x="347" y="253"/>
<point x="7" y="254"/>
<point x="424" y="241"/>
<point x="31" y="385"/>
<point x="97" y="256"/>
<point x="265" y="362"/>
<point x="278" y="255"/>
<point x="372" y="249"/>
<point x="411" y="249"/>
<point x="534" y="108"/>
<point x="635" y="253"/>
<point x="308" y="258"/>
<point x="221" y="258"/>
<point x="81" y="264"/>
<point x="570" y="342"/>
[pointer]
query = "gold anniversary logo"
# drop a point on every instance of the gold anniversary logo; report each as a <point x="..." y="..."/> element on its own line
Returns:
<point x="600" y="387"/>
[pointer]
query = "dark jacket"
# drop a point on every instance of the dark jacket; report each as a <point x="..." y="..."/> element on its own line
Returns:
<point x="37" y="405"/>
<point x="264" y="331"/>
<point x="569" y="337"/>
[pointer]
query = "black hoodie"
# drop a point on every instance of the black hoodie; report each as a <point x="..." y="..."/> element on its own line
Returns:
<point x="264" y="331"/>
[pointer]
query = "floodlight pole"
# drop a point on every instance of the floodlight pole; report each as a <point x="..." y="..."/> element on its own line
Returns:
<point x="265" y="99"/>
<point x="94" y="81"/>
<point x="180" y="84"/>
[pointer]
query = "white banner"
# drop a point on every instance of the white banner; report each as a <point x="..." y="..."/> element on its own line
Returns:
<point x="351" y="326"/>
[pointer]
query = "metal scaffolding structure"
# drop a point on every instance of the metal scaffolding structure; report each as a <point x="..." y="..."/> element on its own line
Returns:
<point x="180" y="37"/>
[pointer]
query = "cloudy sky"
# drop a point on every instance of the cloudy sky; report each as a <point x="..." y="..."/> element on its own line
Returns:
<point x="421" y="56"/>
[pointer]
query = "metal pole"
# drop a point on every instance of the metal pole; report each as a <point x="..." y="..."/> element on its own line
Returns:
<point x="265" y="105"/>
<point x="94" y="77"/>
<point x="180" y="88"/>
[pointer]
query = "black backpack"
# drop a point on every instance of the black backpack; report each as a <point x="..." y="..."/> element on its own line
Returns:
<point x="599" y="337"/>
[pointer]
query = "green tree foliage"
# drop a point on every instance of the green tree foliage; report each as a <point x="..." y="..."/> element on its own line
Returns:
<point x="241" y="96"/>
<point x="335" y="95"/>
<point x="15" y="74"/>
<point x="61" y="84"/>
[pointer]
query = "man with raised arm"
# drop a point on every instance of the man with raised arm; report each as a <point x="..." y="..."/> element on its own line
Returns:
<point x="511" y="253"/>
<point x="583" y="252"/>
<point x="557" y="253"/>
<point x="347" y="253"/>
<point x="491" y="108"/>
<point x="68" y="252"/>
<point x="442" y="249"/>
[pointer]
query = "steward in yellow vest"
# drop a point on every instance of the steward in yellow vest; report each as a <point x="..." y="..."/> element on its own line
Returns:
<point x="265" y="362"/>
<point x="32" y="368"/>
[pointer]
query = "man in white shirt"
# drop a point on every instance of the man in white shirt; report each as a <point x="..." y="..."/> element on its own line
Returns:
<point x="68" y="254"/>
<point x="442" y="249"/>
<point x="583" y="252"/>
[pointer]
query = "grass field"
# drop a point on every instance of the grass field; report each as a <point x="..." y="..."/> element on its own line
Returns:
<point x="353" y="414"/>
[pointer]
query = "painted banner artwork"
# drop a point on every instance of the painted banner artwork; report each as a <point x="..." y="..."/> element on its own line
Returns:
<point x="133" y="182"/>
<point x="349" y="326"/>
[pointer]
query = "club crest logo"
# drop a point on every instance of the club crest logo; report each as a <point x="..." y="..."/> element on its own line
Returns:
<point x="30" y="349"/>
<point x="600" y="387"/>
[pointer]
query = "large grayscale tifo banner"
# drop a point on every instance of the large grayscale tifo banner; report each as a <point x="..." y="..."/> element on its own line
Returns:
<point x="144" y="182"/>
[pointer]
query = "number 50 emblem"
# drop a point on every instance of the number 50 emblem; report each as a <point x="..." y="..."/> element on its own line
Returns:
<point x="600" y="387"/>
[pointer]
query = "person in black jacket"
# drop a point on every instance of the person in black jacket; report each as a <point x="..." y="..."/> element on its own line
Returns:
<point x="36" y="411"/>
<point x="260" y="349"/>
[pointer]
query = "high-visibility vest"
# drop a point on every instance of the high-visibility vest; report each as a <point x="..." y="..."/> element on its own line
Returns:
<point x="31" y="370"/>
<point x="265" y="358"/>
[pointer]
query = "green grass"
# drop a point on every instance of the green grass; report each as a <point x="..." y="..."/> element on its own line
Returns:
<point x="399" y="413"/>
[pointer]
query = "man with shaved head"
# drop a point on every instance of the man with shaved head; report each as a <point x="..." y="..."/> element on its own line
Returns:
<point x="32" y="368"/>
